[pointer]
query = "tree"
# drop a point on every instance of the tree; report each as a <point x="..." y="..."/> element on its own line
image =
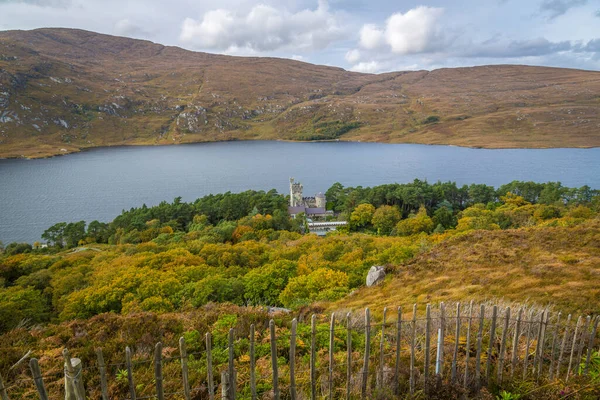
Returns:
<point x="421" y="222"/>
<point x="444" y="216"/>
<point x="361" y="216"/>
<point x="55" y="235"/>
<point x="73" y="233"/>
<point x="321" y="284"/>
<point x="385" y="219"/>
<point x="263" y="285"/>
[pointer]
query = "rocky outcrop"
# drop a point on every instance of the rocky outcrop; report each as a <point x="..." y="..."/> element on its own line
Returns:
<point x="376" y="275"/>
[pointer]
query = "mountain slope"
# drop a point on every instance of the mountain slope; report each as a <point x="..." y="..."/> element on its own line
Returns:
<point x="64" y="90"/>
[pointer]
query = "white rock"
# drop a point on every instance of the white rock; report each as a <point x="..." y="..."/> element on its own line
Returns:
<point x="376" y="275"/>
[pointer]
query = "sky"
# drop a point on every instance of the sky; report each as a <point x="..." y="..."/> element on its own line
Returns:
<point x="371" y="36"/>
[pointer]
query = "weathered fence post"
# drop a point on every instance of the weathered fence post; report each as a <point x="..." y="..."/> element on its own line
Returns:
<point x="158" y="375"/>
<point x="412" y="350"/>
<point x="591" y="343"/>
<point x="562" y="346"/>
<point x="584" y="335"/>
<point x="230" y="365"/>
<point x="331" y="337"/>
<point x="74" y="389"/>
<point x="515" y="346"/>
<point x="478" y="354"/>
<point x="348" y="355"/>
<point x="553" y="347"/>
<point x="102" y="369"/>
<point x="468" y="345"/>
<point x="427" y="346"/>
<point x="573" y="346"/>
<point x="542" y="340"/>
<point x="293" y="360"/>
<point x="313" y="355"/>
<point x="37" y="378"/>
<point x="252" y="364"/>
<point x="382" y="349"/>
<point x="456" y="337"/>
<point x="225" y="385"/>
<point x="184" y="368"/>
<point x="397" y="365"/>
<point x="539" y="343"/>
<point x="274" y="360"/>
<point x="3" y="394"/>
<point x="130" y="373"/>
<point x="442" y="334"/>
<point x="438" y="353"/>
<point x="209" y="367"/>
<point x="488" y="367"/>
<point x="527" y="344"/>
<point x="503" y="345"/>
<point x="365" y="371"/>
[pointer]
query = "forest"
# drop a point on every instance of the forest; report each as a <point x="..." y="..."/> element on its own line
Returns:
<point x="244" y="249"/>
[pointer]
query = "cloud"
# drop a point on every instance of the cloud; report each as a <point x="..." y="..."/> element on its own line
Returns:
<point x="556" y="8"/>
<point x="371" y="37"/>
<point x="516" y="48"/>
<point x="370" y="67"/>
<point x="353" y="56"/>
<point x="416" y="31"/>
<point x="125" y="27"/>
<point x="264" y="28"/>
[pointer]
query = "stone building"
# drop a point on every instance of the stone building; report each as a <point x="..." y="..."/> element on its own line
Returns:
<point x="313" y="207"/>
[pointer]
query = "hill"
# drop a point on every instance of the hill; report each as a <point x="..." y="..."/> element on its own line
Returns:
<point x="64" y="90"/>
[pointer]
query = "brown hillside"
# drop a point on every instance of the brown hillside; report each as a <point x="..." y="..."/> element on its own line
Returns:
<point x="71" y="89"/>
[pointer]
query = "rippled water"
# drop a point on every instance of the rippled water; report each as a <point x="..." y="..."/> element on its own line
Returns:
<point x="100" y="183"/>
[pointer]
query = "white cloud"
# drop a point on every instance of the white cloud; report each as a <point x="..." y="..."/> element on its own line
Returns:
<point x="264" y="28"/>
<point x="416" y="31"/>
<point x="125" y="27"/>
<point x="353" y="56"/>
<point x="371" y="37"/>
<point x="369" y="67"/>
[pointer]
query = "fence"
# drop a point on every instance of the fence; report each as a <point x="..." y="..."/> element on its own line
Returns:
<point x="472" y="348"/>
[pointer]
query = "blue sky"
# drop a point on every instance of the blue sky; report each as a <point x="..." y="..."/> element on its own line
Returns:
<point x="361" y="35"/>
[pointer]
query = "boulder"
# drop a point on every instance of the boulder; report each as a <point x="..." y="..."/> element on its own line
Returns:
<point x="376" y="275"/>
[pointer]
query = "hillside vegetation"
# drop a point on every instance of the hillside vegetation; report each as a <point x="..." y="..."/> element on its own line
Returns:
<point x="64" y="90"/>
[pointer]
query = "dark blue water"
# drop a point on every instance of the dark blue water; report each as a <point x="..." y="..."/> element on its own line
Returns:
<point x="100" y="183"/>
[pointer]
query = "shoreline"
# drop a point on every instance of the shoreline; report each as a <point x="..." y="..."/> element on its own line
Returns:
<point x="84" y="149"/>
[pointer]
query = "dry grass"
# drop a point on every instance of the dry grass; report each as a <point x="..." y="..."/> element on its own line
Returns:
<point x="113" y="90"/>
<point x="545" y="266"/>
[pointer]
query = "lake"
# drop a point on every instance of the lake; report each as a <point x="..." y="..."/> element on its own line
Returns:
<point x="100" y="183"/>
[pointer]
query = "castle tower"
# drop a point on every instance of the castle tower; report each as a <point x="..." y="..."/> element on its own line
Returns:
<point x="295" y="193"/>
<point x="320" y="200"/>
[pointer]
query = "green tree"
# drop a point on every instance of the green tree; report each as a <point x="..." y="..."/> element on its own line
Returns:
<point x="421" y="222"/>
<point x="263" y="285"/>
<point x="55" y="235"/>
<point x="385" y="219"/>
<point x="361" y="217"/>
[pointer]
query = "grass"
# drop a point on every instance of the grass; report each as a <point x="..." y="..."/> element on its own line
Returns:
<point x="545" y="266"/>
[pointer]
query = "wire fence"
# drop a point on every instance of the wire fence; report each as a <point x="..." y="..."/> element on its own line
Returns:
<point x="352" y="357"/>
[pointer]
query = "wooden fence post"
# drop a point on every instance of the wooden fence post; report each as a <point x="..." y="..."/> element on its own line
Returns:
<point x="478" y="354"/>
<point x="515" y="346"/>
<point x="397" y="365"/>
<point x="230" y="365"/>
<point x="542" y="340"/>
<point x="573" y="346"/>
<point x="442" y="333"/>
<point x="3" y="394"/>
<point x="313" y="355"/>
<point x="365" y="372"/>
<point x="74" y="389"/>
<point x="252" y="364"/>
<point x="562" y="346"/>
<point x="209" y="367"/>
<point x="184" y="368"/>
<point x="468" y="345"/>
<point x="488" y="367"/>
<point x="274" y="360"/>
<point x="527" y="344"/>
<point x="37" y="378"/>
<point x="293" y="360"/>
<point x="382" y="350"/>
<point x="158" y="375"/>
<point x="553" y="346"/>
<point x="584" y="335"/>
<point x="427" y="346"/>
<point x="102" y="369"/>
<point x="539" y="342"/>
<point x="591" y="343"/>
<point x="456" y="340"/>
<point x="348" y="355"/>
<point x="412" y="350"/>
<point x="503" y="345"/>
<point x="331" y="351"/>
<point x="130" y="373"/>
<point x="225" y="385"/>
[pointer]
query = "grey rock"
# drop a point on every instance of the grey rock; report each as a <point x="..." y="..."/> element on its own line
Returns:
<point x="376" y="275"/>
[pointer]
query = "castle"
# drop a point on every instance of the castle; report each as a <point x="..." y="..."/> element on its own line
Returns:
<point x="313" y="207"/>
